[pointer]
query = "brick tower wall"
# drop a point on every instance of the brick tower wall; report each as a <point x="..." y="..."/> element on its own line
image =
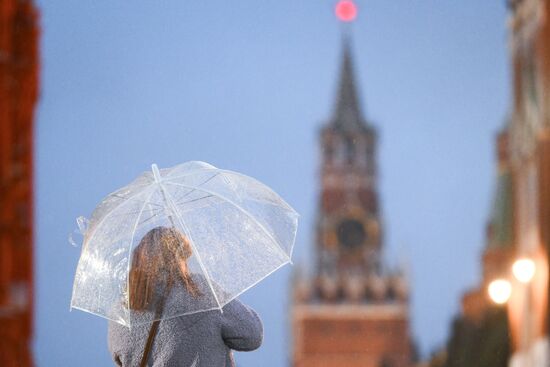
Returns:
<point x="18" y="95"/>
<point x="351" y="336"/>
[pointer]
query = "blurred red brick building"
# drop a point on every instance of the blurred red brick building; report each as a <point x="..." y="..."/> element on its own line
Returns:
<point x="352" y="311"/>
<point x="520" y="222"/>
<point x="529" y="134"/>
<point x="19" y="68"/>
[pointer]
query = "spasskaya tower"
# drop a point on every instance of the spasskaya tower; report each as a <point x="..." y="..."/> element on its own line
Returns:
<point x="351" y="311"/>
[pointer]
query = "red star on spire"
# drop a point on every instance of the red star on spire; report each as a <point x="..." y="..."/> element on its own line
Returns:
<point x="346" y="10"/>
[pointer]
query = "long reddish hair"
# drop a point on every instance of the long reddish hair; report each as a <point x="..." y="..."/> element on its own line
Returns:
<point x="159" y="262"/>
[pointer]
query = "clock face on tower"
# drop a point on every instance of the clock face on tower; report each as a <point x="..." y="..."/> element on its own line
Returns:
<point x="351" y="233"/>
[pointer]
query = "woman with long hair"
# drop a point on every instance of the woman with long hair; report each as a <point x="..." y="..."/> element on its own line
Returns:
<point x="159" y="280"/>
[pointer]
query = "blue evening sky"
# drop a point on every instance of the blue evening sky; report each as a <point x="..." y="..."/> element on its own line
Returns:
<point x="246" y="85"/>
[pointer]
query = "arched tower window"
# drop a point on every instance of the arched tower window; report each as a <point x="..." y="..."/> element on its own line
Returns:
<point x="328" y="152"/>
<point x="350" y="149"/>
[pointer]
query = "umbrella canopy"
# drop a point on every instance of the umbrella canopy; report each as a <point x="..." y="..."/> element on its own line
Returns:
<point x="178" y="241"/>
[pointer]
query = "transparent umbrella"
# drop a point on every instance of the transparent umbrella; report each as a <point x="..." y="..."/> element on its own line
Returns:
<point x="220" y="231"/>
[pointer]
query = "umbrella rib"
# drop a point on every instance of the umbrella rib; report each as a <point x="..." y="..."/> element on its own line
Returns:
<point x="132" y="198"/>
<point x="244" y="211"/>
<point x="169" y="180"/>
<point x="157" y="210"/>
<point x="151" y="217"/>
<point x="267" y="188"/>
<point x="193" y="200"/>
<point x="168" y="177"/>
<point x="193" y="188"/>
<point x="133" y="184"/>
<point x="174" y="209"/>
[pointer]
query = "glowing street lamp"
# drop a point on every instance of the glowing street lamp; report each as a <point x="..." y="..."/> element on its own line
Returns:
<point x="500" y="291"/>
<point x="524" y="270"/>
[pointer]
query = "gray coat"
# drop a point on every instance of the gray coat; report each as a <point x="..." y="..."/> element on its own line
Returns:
<point x="199" y="340"/>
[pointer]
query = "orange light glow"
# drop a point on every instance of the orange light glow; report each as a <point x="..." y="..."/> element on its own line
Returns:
<point x="500" y="291"/>
<point x="524" y="270"/>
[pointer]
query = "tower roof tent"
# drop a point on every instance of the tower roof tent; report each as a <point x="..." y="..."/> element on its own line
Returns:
<point x="347" y="113"/>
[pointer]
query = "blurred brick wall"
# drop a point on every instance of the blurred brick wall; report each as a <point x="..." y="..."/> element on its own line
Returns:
<point x="351" y="336"/>
<point x="19" y="63"/>
<point x="529" y="309"/>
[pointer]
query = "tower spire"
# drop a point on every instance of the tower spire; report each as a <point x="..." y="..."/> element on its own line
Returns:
<point x="347" y="113"/>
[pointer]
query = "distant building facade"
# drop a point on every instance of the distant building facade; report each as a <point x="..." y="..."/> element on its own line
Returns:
<point x="350" y="312"/>
<point x="499" y="251"/>
<point x="479" y="335"/>
<point x="529" y="133"/>
<point x="519" y="225"/>
<point x="19" y="65"/>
